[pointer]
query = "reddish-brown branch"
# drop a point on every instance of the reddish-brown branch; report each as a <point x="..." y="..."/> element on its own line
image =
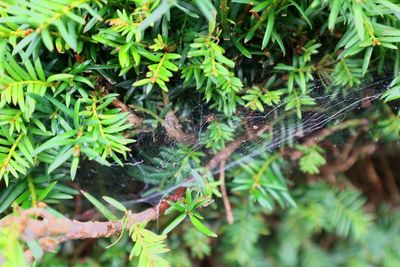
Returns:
<point x="390" y="181"/>
<point x="174" y="130"/>
<point x="227" y="205"/>
<point x="349" y="146"/>
<point x="154" y="212"/>
<point x="38" y="224"/>
<point x="345" y="164"/>
<point x="373" y="176"/>
<point x="171" y="123"/>
<point x="322" y="134"/>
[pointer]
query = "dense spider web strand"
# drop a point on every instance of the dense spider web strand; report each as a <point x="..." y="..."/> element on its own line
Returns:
<point x="286" y="128"/>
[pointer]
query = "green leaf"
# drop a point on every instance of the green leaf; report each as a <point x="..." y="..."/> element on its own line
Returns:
<point x="11" y="193"/>
<point x="22" y="44"/>
<point x="116" y="204"/>
<point x="336" y="4"/>
<point x="280" y="42"/>
<point x="141" y="82"/>
<point x="201" y="227"/>
<point x="64" y="155"/>
<point x="312" y="159"/>
<point x="270" y="27"/>
<point x="47" y="40"/>
<point x="59" y="77"/>
<point x="36" y="249"/>
<point x="39" y="70"/>
<point x="103" y="209"/>
<point x="177" y="206"/>
<point x="391" y="6"/>
<point x="188" y="197"/>
<point x="173" y="224"/>
<point x="305" y="17"/>
<point x="69" y="37"/>
<point x="358" y="19"/>
<point x="207" y="8"/>
<point x="241" y="47"/>
<point x="62" y="139"/>
<point x="367" y="58"/>
<point x="46" y="191"/>
<point x="187" y="11"/>
<point x="74" y="167"/>
<point x="60" y="106"/>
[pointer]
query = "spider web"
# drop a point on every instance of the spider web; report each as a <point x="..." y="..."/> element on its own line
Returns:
<point x="150" y="172"/>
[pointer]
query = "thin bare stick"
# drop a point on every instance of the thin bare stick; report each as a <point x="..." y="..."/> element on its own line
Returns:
<point x="391" y="180"/>
<point x="227" y="205"/>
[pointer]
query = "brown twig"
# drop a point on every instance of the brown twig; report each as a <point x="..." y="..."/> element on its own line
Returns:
<point x="171" y="123"/>
<point x="173" y="127"/>
<point x="174" y="130"/>
<point x="345" y="164"/>
<point x="322" y="134"/>
<point x="227" y="205"/>
<point x="349" y="146"/>
<point x="50" y="231"/>
<point x="390" y="181"/>
<point x="373" y="177"/>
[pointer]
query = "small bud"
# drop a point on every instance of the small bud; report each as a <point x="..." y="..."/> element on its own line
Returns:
<point x="77" y="151"/>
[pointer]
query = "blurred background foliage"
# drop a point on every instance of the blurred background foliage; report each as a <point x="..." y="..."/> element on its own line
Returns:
<point x="132" y="97"/>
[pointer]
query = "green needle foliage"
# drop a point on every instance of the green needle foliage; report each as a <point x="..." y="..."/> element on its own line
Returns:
<point x="288" y="95"/>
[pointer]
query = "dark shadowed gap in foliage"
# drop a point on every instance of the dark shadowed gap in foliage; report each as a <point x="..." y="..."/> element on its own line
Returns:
<point x="153" y="168"/>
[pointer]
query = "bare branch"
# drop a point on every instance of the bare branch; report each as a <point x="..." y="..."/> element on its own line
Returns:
<point x="174" y="130"/>
<point x="227" y="205"/>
